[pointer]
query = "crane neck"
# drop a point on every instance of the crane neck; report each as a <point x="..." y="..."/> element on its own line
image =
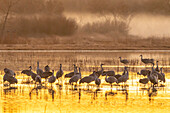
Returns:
<point x="79" y="72"/>
<point x="37" y="65"/>
<point x="60" y="67"/>
<point x="106" y="79"/>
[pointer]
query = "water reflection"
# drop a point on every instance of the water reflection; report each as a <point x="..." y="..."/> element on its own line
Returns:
<point x="62" y="97"/>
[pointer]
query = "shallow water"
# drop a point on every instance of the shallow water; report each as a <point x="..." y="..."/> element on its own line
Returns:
<point x="23" y="98"/>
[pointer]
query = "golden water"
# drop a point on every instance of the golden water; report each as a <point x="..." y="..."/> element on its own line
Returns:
<point x="63" y="98"/>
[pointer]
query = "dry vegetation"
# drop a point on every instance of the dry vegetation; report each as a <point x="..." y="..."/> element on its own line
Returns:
<point x="41" y="24"/>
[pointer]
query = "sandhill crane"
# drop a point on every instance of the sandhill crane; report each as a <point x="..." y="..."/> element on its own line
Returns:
<point x="9" y="72"/>
<point x="39" y="71"/>
<point x="97" y="81"/>
<point x="143" y="72"/>
<point x="69" y="75"/>
<point x="98" y="73"/>
<point x="47" y="68"/>
<point x="117" y="76"/>
<point x="38" y="79"/>
<point x="10" y="79"/>
<point x="28" y="72"/>
<point x="109" y="73"/>
<point x="124" y="61"/>
<point x="163" y="75"/>
<point x="75" y="78"/>
<point x="59" y="73"/>
<point x="46" y="75"/>
<point x="145" y="80"/>
<point x="124" y="77"/>
<point x="157" y="67"/>
<point x="110" y="79"/>
<point x="52" y="79"/>
<point x="153" y="77"/>
<point x="88" y="79"/>
<point x="157" y="74"/>
<point x="146" y="61"/>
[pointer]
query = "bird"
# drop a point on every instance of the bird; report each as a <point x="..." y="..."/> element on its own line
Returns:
<point x="47" y="68"/>
<point x="157" y="74"/>
<point x="28" y="72"/>
<point x="153" y="77"/>
<point x="146" y="61"/>
<point x="98" y="73"/>
<point x="39" y="71"/>
<point x="117" y="76"/>
<point x="60" y="72"/>
<point x="157" y="68"/>
<point x="69" y="75"/>
<point x="87" y="79"/>
<point x="75" y="78"/>
<point x="145" y="80"/>
<point x="52" y="79"/>
<point x="124" y="77"/>
<point x="124" y="61"/>
<point x="38" y="79"/>
<point x="110" y="79"/>
<point x="10" y="79"/>
<point x="9" y="72"/>
<point x="109" y="73"/>
<point x="143" y="72"/>
<point x="97" y="81"/>
<point x="163" y="75"/>
<point x="46" y="75"/>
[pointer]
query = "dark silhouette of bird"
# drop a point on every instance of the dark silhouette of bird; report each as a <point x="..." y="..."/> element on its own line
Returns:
<point x="124" y="61"/>
<point x="39" y="71"/>
<point x="52" y="79"/>
<point x="9" y="72"/>
<point x="46" y="74"/>
<point x="145" y="80"/>
<point x="157" y="67"/>
<point x="88" y="79"/>
<point x="75" y="78"/>
<point x="10" y="79"/>
<point x="146" y="61"/>
<point x="98" y="73"/>
<point x="110" y="79"/>
<point x="47" y="68"/>
<point x="143" y="72"/>
<point x="124" y="77"/>
<point x="108" y="73"/>
<point x="97" y="81"/>
<point x="69" y="75"/>
<point x="28" y="72"/>
<point x="38" y="79"/>
<point x="163" y="75"/>
<point x="157" y="74"/>
<point x="153" y="77"/>
<point x="60" y="72"/>
<point x="117" y="76"/>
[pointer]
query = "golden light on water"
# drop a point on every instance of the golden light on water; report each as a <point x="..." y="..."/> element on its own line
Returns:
<point x="63" y="98"/>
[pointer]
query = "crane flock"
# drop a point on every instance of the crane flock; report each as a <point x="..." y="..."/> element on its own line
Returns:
<point x="154" y="75"/>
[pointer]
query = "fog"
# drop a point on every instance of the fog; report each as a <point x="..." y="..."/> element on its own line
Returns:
<point x="143" y="24"/>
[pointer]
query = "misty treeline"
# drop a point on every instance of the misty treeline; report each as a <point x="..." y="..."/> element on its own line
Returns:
<point x="34" y="18"/>
<point x="136" y="6"/>
<point x="38" y="18"/>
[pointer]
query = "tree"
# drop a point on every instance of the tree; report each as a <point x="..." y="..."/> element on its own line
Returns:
<point x="5" y="10"/>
